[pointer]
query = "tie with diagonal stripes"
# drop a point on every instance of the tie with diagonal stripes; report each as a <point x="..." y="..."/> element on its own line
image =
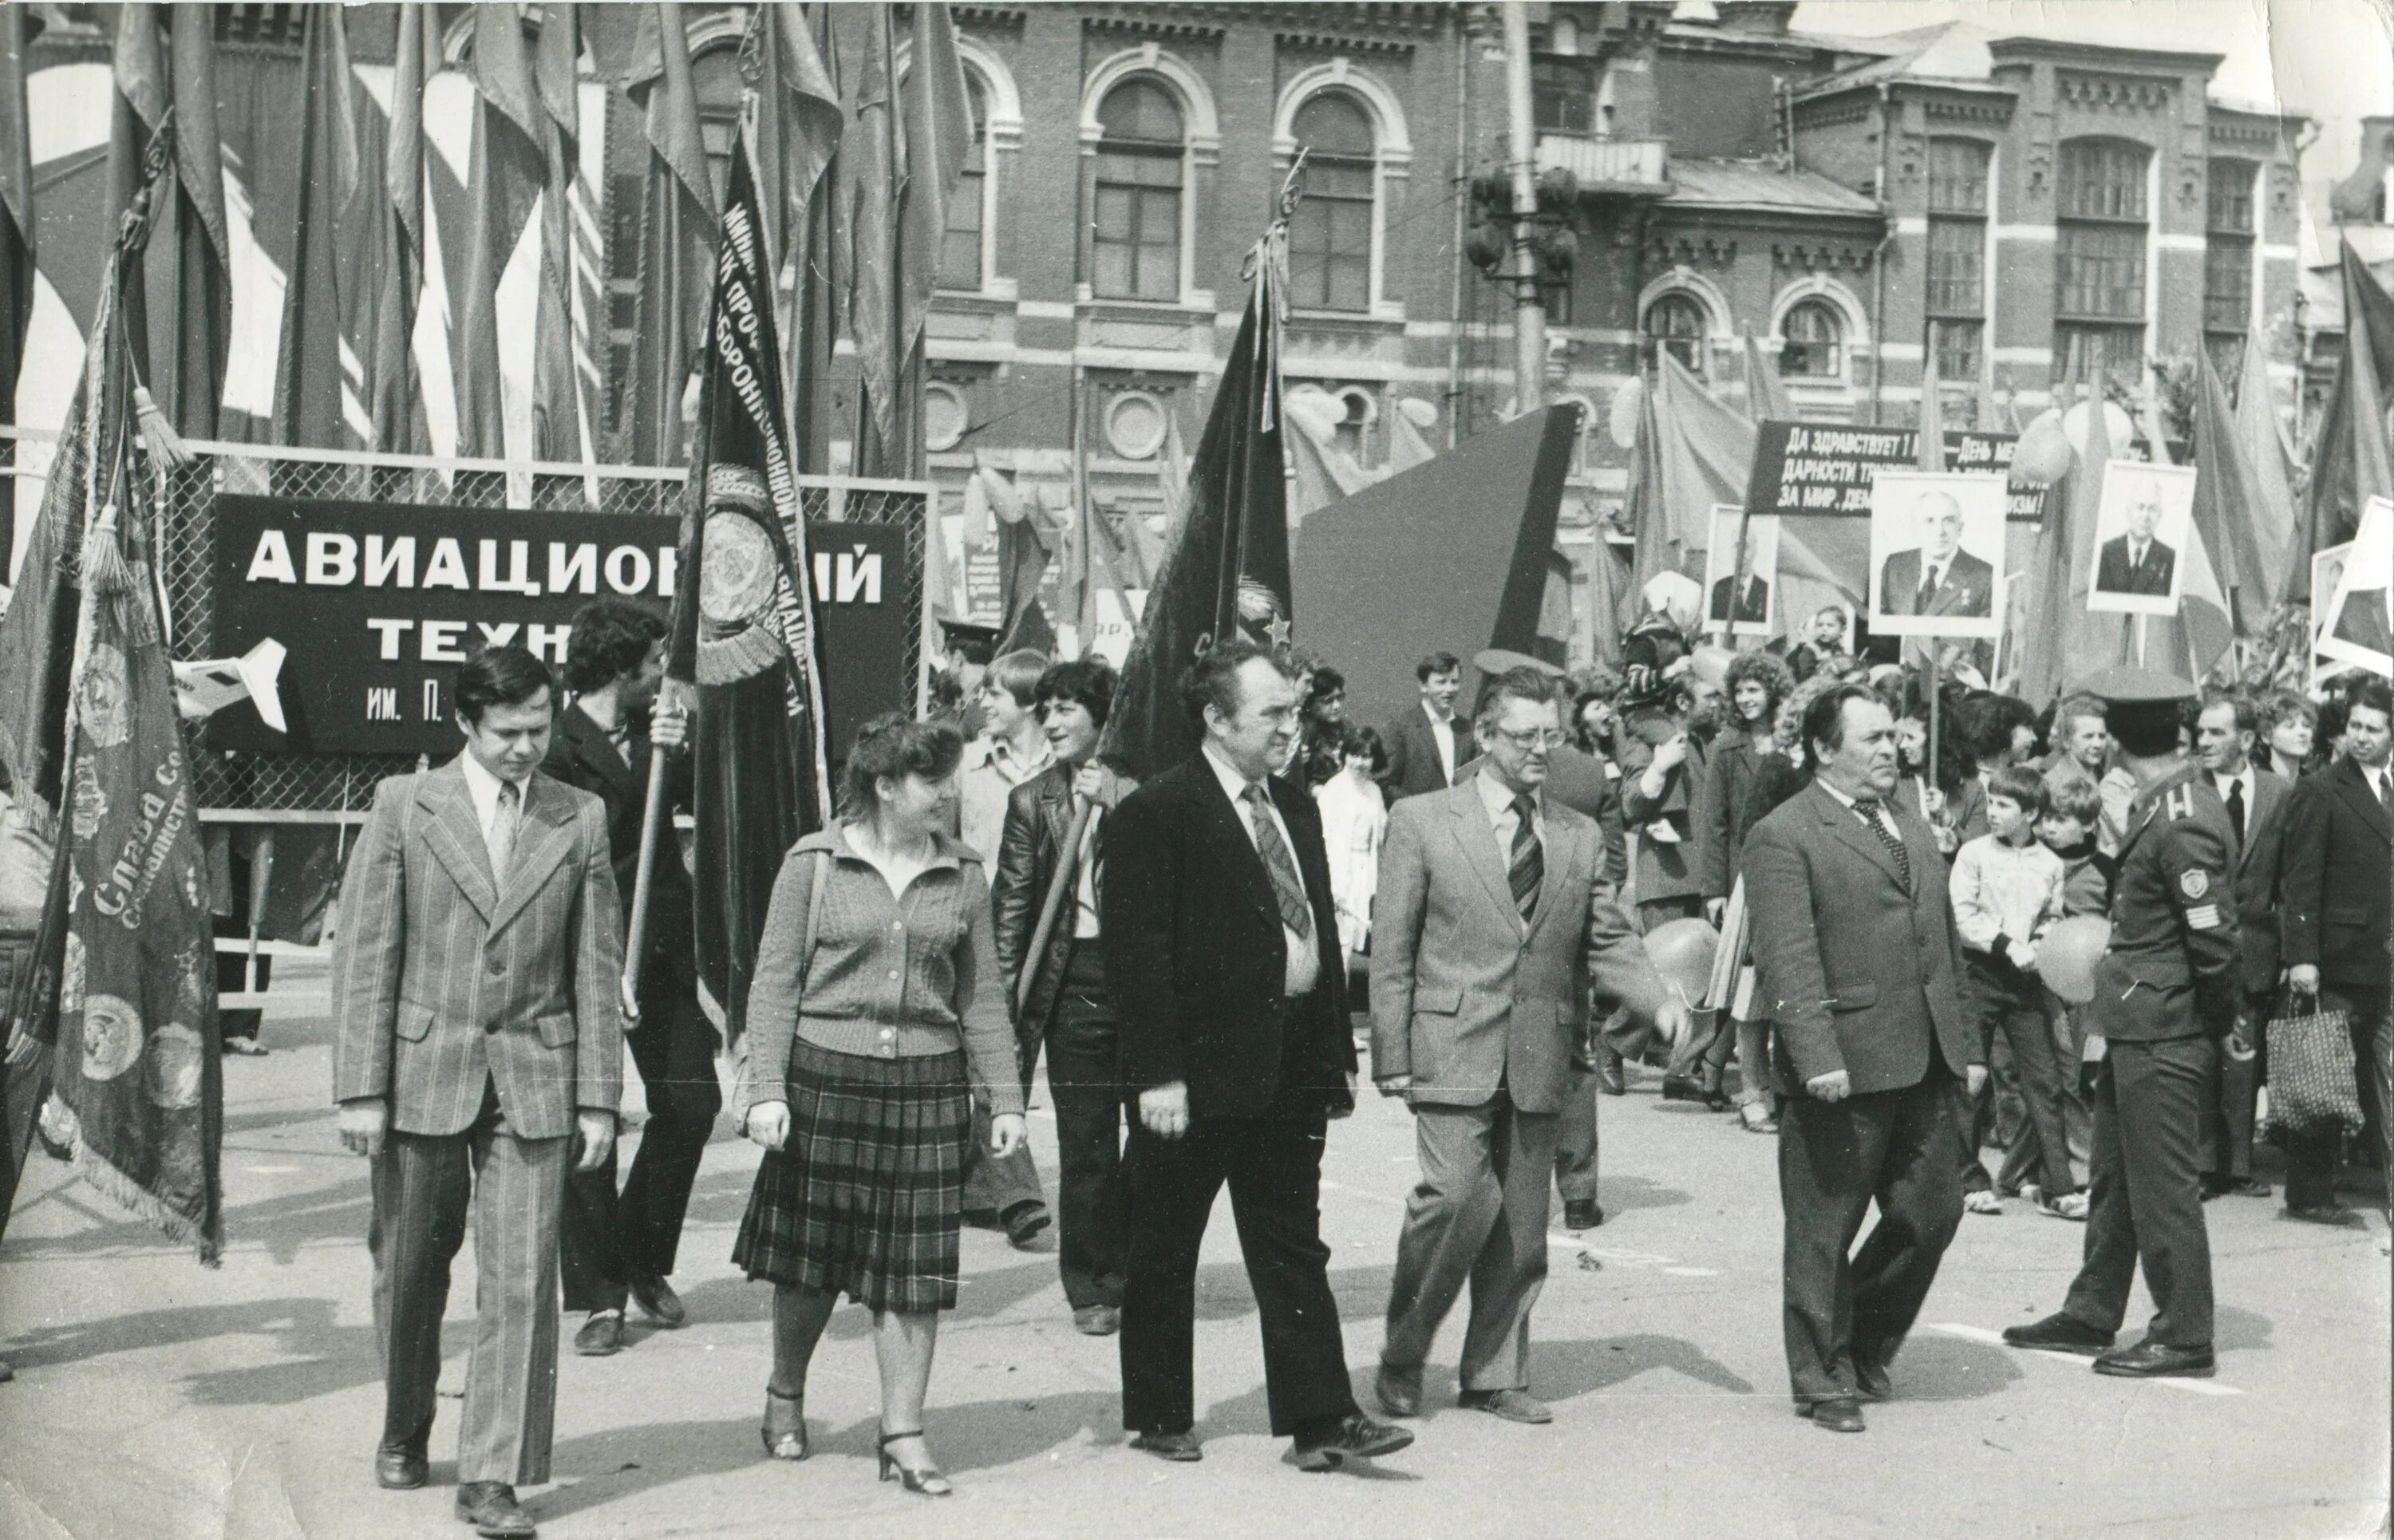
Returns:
<point x="1527" y="868"/>
<point x="503" y="833"/>
<point x="1287" y="891"/>
<point x="1875" y="820"/>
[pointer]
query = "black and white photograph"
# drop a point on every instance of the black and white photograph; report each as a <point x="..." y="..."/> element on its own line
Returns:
<point x="2140" y="538"/>
<point x="1742" y="547"/>
<point x="1113" y="770"/>
<point x="1936" y="555"/>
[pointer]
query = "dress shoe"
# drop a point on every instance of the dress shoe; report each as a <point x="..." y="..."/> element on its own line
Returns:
<point x="6" y="1373"/>
<point x="601" y="1334"/>
<point x="492" y="1508"/>
<point x="1610" y="1077"/>
<point x="1180" y="1448"/>
<point x="1583" y="1214"/>
<point x="2234" y="1186"/>
<point x="1398" y="1391"/>
<point x="2150" y="1360"/>
<point x="2334" y="1216"/>
<point x="2059" y="1334"/>
<point x="1871" y="1381"/>
<point x="1023" y="1223"/>
<point x="1098" y="1319"/>
<point x="1511" y="1405"/>
<point x="1353" y="1436"/>
<point x="658" y="1301"/>
<point x="1679" y="1087"/>
<point x="1838" y="1413"/>
<point x="1755" y="1118"/>
<point x="400" y="1466"/>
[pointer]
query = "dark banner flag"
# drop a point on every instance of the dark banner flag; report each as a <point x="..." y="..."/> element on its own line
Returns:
<point x="1818" y="469"/>
<point x="743" y="622"/>
<point x="1229" y="570"/>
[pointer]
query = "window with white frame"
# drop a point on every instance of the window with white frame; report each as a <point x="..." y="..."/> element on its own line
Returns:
<point x="1957" y="297"/>
<point x="1812" y="341"/>
<point x="1674" y="324"/>
<point x="1329" y="238"/>
<point x="1135" y="245"/>
<point x="2099" y="278"/>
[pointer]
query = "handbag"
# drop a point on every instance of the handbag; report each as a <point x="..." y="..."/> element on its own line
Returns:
<point x="2312" y="1083"/>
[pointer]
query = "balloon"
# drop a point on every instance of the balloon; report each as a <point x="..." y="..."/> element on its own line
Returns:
<point x="1682" y="953"/>
<point x="1672" y="594"/>
<point x="2044" y="453"/>
<point x="2066" y="956"/>
<point x="1622" y="423"/>
<point x="1419" y="413"/>
<point x="2116" y="426"/>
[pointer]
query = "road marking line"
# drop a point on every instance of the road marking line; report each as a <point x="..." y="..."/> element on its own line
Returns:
<point x="1995" y="1339"/>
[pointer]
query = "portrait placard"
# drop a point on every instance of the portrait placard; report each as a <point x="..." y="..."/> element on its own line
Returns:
<point x="1754" y="608"/>
<point x="2141" y="530"/>
<point x="2355" y="623"/>
<point x="1936" y="555"/>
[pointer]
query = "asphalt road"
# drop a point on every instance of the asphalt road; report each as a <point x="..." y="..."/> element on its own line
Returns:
<point x="154" y="1398"/>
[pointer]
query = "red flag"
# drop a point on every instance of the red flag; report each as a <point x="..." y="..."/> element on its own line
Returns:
<point x="397" y="406"/>
<point x="503" y="183"/>
<point x="677" y="233"/>
<point x="17" y="269"/>
<point x="316" y="401"/>
<point x="565" y="375"/>
<point x="797" y="144"/>
<point x="2350" y="456"/>
<point x="868" y="244"/>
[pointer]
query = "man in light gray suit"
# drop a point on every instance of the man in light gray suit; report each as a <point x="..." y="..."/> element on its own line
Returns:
<point x="1493" y="923"/>
<point x="476" y="977"/>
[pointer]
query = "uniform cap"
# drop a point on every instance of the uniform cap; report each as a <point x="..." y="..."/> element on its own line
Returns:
<point x="2143" y="702"/>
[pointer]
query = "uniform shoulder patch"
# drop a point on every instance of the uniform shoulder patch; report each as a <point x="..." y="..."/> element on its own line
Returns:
<point x="2195" y="882"/>
<point x="2204" y="917"/>
<point x="2179" y="803"/>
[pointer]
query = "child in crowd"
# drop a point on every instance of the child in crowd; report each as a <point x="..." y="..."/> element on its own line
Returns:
<point x="2006" y="890"/>
<point x="2065" y="824"/>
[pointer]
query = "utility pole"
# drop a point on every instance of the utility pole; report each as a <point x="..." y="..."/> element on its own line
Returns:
<point x="1521" y="158"/>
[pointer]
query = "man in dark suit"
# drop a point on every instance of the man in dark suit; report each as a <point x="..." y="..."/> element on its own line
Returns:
<point x="2332" y="888"/>
<point x="2135" y="563"/>
<point x="1222" y="959"/>
<point x="1936" y="577"/>
<point x="1752" y="610"/>
<point x="2256" y="802"/>
<point x="1428" y="743"/>
<point x="1856" y="958"/>
<point x="1044" y="897"/>
<point x="618" y="1245"/>
<point x="476" y="981"/>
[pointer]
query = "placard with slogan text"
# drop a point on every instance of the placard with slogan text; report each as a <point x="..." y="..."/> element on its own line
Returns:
<point x="379" y="602"/>
<point x="1826" y="468"/>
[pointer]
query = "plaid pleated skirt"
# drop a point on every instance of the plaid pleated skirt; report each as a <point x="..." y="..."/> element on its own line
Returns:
<point x="866" y="1196"/>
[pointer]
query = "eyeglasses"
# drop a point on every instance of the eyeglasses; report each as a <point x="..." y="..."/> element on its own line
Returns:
<point x="1550" y="737"/>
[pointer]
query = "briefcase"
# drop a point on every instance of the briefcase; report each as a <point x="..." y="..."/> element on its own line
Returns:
<point x="2312" y="1086"/>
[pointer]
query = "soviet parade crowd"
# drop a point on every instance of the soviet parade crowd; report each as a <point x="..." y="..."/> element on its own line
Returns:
<point x="1864" y="917"/>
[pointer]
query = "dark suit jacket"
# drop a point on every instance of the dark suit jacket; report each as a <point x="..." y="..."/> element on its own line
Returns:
<point x="1730" y="772"/>
<point x="1757" y="605"/>
<point x="1858" y="974"/>
<point x="2257" y="860"/>
<point x="1412" y="754"/>
<point x="2333" y="880"/>
<point x="1038" y="816"/>
<point x="1195" y="958"/>
<point x="2114" y="575"/>
<point x="1969" y="589"/>
<point x="580" y="756"/>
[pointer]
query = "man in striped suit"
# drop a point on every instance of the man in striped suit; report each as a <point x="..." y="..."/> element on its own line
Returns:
<point x="476" y="977"/>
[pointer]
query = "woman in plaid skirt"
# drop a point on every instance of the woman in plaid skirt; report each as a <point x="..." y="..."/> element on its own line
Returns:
<point x="875" y="1016"/>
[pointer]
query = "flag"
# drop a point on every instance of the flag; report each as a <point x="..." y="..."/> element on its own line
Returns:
<point x="1765" y="393"/>
<point x="936" y="134"/>
<point x="1023" y="555"/>
<point x="1323" y="473"/>
<point x="2271" y="510"/>
<point x="2204" y="626"/>
<point x="677" y="230"/>
<point x="1407" y="446"/>
<point x="191" y="310"/>
<point x="1227" y="572"/>
<point x="316" y="398"/>
<point x="2231" y="507"/>
<point x="743" y="630"/>
<point x="17" y="269"/>
<point x="565" y="375"/>
<point x="867" y="243"/>
<point x="1172" y="479"/>
<point x="395" y="402"/>
<point x="137" y="109"/>
<point x="2076" y="643"/>
<point x="504" y="179"/>
<point x="798" y="139"/>
<point x="2350" y="453"/>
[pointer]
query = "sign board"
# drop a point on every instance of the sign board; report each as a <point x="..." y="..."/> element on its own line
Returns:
<point x="1820" y="469"/>
<point x="378" y="603"/>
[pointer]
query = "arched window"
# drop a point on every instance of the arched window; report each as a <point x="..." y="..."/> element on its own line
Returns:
<point x="1330" y="239"/>
<point x="1811" y="340"/>
<point x="962" y="243"/>
<point x="1137" y="239"/>
<point x="2099" y="288"/>
<point x="1675" y="324"/>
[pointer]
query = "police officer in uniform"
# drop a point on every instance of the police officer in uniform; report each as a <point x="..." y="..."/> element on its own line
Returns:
<point x="2166" y="991"/>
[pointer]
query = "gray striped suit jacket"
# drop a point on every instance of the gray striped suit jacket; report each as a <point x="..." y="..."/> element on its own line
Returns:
<point x="444" y="978"/>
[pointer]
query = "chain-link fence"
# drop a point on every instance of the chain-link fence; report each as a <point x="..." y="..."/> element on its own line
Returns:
<point x="304" y="783"/>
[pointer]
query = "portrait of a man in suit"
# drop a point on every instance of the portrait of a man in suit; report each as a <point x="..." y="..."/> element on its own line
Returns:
<point x="1740" y="562"/>
<point x="1751" y="610"/>
<point x="1938" y="577"/>
<point x="2134" y="562"/>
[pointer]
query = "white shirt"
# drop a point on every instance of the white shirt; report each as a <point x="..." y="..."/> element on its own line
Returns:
<point x="1304" y="964"/>
<point x="1497" y="797"/>
<point x="2241" y="778"/>
<point x="1886" y="820"/>
<point x="484" y="787"/>
<point x="1933" y="575"/>
<point x="1085" y="894"/>
<point x="986" y="777"/>
<point x="2374" y="778"/>
<point x="1442" y="733"/>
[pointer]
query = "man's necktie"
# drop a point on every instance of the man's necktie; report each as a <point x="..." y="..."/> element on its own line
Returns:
<point x="1286" y="889"/>
<point x="1529" y="859"/>
<point x="503" y="832"/>
<point x="2236" y="808"/>
<point x="1875" y="821"/>
<point x="1928" y="593"/>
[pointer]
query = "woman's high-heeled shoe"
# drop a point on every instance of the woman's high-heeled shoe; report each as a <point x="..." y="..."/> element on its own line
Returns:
<point x="926" y="1479"/>
<point x="785" y="1429"/>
